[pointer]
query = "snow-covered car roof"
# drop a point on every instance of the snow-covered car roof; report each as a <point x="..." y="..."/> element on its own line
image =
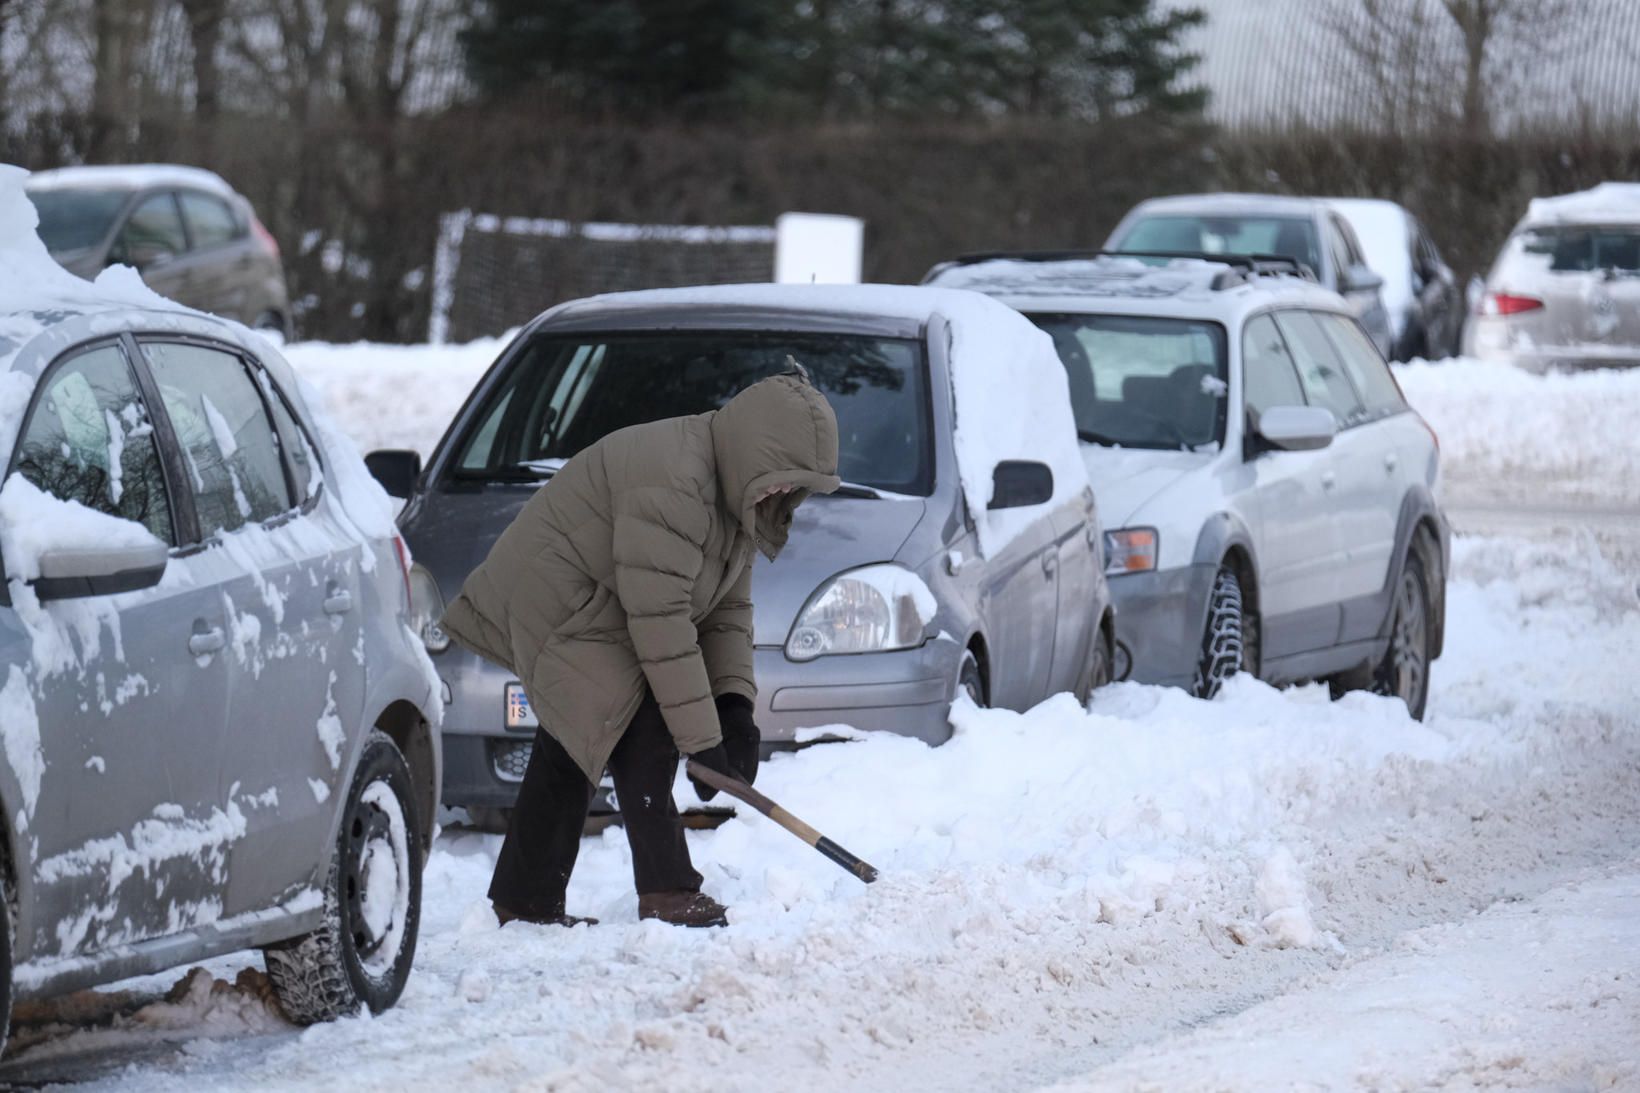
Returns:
<point x="1607" y="203"/>
<point x="1182" y="288"/>
<point x="1232" y="204"/>
<point x="135" y="176"/>
<point x="1011" y="397"/>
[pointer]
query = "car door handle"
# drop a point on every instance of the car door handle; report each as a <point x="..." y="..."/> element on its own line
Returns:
<point x="202" y="643"/>
<point x="1391" y="461"/>
<point x="1050" y="564"/>
<point x="1328" y="480"/>
<point x="339" y="603"/>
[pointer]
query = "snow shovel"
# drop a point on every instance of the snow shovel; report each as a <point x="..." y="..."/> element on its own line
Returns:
<point x="740" y="791"/>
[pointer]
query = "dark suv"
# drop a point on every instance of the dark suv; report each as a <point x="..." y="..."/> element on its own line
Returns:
<point x="185" y="230"/>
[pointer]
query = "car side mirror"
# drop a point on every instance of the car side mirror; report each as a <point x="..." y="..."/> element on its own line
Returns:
<point x="1360" y="279"/>
<point x="1297" y="428"/>
<point x="397" y="469"/>
<point x="1017" y="483"/>
<point x="147" y="256"/>
<point x="99" y="570"/>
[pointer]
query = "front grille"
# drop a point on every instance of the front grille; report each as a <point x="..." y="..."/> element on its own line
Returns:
<point x="510" y="758"/>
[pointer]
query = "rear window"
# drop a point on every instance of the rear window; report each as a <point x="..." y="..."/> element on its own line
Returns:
<point x="1585" y="249"/>
<point x="1291" y="236"/>
<point x="76" y="219"/>
<point x="566" y="392"/>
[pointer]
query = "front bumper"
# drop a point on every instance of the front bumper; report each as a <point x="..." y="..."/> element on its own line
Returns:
<point x="907" y="692"/>
<point x="1159" y="618"/>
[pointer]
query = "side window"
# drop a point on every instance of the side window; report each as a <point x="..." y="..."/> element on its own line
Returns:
<point x="227" y="440"/>
<point x="1338" y="248"/>
<point x="88" y="439"/>
<point x="1268" y="375"/>
<point x="210" y="222"/>
<point x="1366" y="368"/>
<point x="153" y="227"/>
<point x="300" y="455"/>
<point x="1319" y="368"/>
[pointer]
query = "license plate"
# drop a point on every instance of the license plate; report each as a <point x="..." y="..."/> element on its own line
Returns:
<point x="519" y="714"/>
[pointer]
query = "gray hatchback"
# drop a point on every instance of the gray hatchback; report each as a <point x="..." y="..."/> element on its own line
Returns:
<point x="219" y="732"/>
<point x="889" y="599"/>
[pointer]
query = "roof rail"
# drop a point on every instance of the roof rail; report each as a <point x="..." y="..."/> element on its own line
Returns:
<point x="1244" y="263"/>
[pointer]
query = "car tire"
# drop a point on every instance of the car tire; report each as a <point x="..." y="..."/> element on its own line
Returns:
<point x="1223" y="638"/>
<point x="8" y="946"/>
<point x="970" y="680"/>
<point x="1404" y="671"/>
<point x="360" y="956"/>
<point x="1101" y="669"/>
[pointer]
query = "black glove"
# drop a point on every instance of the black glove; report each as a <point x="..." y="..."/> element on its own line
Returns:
<point x="713" y="758"/>
<point x="741" y="738"/>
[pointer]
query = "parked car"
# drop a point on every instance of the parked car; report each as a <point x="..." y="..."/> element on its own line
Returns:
<point x="1306" y="228"/>
<point x="219" y="731"/>
<point x="892" y="596"/>
<point x="1421" y="293"/>
<point x="193" y="239"/>
<point x="1269" y="496"/>
<point x="1565" y="290"/>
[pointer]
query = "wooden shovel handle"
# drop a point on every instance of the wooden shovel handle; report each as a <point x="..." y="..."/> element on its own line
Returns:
<point x="740" y="791"/>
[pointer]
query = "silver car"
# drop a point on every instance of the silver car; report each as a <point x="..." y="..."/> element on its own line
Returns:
<point x="191" y="236"/>
<point x="219" y="731"/>
<point x="1565" y="290"/>
<point x="839" y="637"/>
<point x="1308" y="229"/>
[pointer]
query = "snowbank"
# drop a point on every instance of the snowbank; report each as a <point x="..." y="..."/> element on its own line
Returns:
<point x="1571" y="435"/>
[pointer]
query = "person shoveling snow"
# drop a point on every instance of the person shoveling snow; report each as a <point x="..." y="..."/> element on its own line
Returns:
<point x="621" y="598"/>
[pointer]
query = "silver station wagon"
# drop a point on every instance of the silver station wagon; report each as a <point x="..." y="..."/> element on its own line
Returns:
<point x="883" y="606"/>
<point x="219" y="731"/>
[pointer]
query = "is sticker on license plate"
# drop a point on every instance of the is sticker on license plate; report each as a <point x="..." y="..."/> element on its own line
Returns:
<point x="519" y="714"/>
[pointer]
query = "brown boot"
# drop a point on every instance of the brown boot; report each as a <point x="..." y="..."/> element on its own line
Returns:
<point x="683" y="908"/>
<point x="504" y="916"/>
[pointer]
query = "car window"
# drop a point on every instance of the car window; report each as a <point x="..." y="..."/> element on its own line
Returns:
<point x="227" y="441"/>
<point x="1366" y="368"/>
<point x="210" y="222"/>
<point x="562" y="393"/>
<point x="300" y="455"/>
<point x="1319" y="367"/>
<point x="1268" y="375"/>
<point x="1583" y="249"/>
<point x="154" y="223"/>
<point x="1337" y="249"/>
<point x="89" y="439"/>
<point x="71" y="219"/>
<point x="1142" y="382"/>
<point x="1293" y="236"/>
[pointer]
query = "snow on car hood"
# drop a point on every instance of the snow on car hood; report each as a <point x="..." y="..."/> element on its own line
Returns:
<point x="1125" y="479"/>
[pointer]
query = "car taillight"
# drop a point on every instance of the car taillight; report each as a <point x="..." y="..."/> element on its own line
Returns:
<point x="1507" y="303"/>
<point x="403" y="552"/>
<point x="265" y="237"/>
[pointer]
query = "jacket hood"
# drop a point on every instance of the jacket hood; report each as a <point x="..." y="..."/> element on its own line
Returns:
<point x="778" y="432"/>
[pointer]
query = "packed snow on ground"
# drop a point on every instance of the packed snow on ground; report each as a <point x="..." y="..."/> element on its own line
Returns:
<point x="1510" y="433"/>
<point x="1064" y="891"/>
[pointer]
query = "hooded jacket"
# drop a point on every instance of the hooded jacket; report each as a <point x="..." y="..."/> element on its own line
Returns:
<point x="632" y="567"/>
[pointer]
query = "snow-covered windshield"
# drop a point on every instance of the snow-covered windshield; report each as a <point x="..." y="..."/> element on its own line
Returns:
<point x="1290" y="236"/>
<point x="565" y="392"/>
<point x="75" y="219"/>
<point x="1142" y="382"/>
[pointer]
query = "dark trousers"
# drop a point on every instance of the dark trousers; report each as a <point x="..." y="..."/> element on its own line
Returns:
<point x="544" y="834"/>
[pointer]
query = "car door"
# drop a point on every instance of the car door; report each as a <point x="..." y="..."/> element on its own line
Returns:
<point x="1360" y="485"/>
<point x="1440" y="302"/>
<point x="1076" y="526"/>
<point x="1020" y="604"/>
<point x="130" y="832"/>
<point x="290" y="593"/>
<point x="155" y="242"/>
<point x="219" y="264"/>
<point x="1298" y="542"/>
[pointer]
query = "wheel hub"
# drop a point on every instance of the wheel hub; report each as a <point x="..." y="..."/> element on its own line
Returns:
<point x="371" y="885"/>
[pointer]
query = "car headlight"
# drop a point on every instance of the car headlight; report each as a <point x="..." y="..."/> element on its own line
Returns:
<point x="1130" y="550"/>
<point x="427" y="610"/>
<point x="873" y="609"/>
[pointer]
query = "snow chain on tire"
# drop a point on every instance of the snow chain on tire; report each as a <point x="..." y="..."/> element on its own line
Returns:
<point x="318" y="977"/>
<point x="1222" y="644"/>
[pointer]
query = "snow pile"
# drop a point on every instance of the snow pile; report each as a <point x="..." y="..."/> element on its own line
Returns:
<point x="20" y="733"/>
<point x="33" y="524"/>
<point x="1385" y="237"/>
<point x="1567" y="435"/>
<point x="1607" y="203"/>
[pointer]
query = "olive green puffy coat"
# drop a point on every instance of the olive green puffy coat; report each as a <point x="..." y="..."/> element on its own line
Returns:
<point x="633" y="565"/>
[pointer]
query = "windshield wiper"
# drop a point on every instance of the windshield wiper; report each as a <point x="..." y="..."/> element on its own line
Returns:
<point x="513" y="472"/>
<point x="1088" y="436"/>
<point x="855" y="489"/>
